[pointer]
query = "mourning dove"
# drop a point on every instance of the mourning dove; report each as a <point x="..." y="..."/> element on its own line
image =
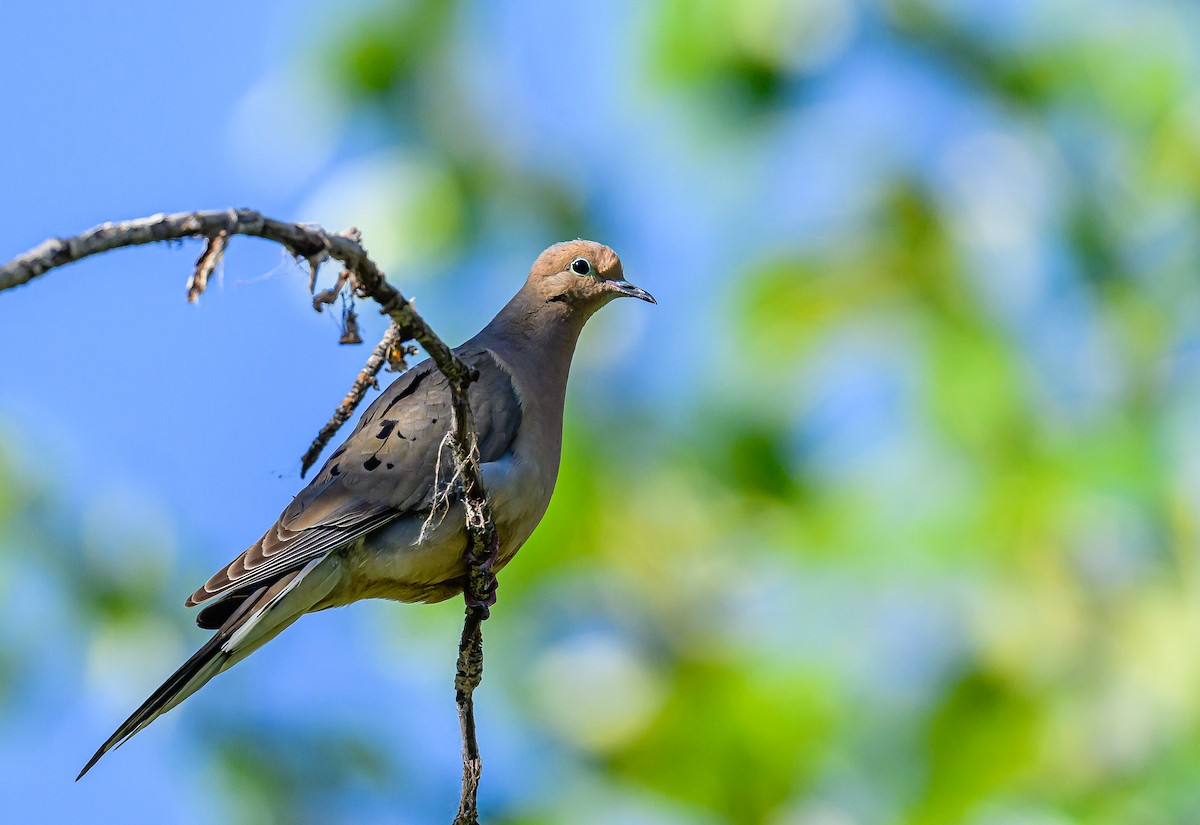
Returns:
<point x="380" y="519"/>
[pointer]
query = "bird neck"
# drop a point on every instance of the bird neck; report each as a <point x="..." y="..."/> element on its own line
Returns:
<point x="537" y="338"/>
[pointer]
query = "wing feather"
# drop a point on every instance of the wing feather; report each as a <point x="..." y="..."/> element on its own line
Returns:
<point x="385" y="469"/>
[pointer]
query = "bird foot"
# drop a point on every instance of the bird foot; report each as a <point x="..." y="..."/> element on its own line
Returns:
<point x="481" y="587"/>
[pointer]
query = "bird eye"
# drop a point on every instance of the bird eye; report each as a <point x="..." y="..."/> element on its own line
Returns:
<point x="581" y="266"/>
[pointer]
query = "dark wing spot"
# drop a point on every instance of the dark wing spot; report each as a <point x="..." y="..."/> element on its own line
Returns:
<point x="335" y="470"/>
<point x="390" y="465"/>
<point x="339" y="451"/>
<point x="385" y="429"/>
<point x="406" y="392"/>
<point x="371" y="463"/>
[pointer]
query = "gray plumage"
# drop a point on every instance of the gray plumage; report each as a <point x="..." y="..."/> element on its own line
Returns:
<point x="380" y="519"/>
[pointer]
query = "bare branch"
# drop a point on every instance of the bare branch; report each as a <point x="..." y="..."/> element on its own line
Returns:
<point x="316" y="245"/>
<point x="382" y="354"/>
<point x="209" y="259"/>
<point x="326" y="297"/>
<point x="302" y="241"/>
<point x="466" y="679"/>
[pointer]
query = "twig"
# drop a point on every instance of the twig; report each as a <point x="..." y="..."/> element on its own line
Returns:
<point x="466" y="679"/>
<point x="315" y="245"/>
<point x="366" y="378"/>
<point x="214" y="248"/>
<point x="309" y="242"/>
<point x="479" y="592"/>
<point x="327" y="296"/>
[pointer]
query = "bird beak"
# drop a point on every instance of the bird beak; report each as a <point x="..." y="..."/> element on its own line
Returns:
<point x="626" y="288"/>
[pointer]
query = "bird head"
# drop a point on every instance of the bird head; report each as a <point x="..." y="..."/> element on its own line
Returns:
<point x="583" y="274"/>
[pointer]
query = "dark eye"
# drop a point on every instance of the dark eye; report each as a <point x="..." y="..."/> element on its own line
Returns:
<point x="581" y="266"/>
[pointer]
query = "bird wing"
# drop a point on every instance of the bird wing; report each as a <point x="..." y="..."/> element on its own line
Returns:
<point x="387" y="468"/>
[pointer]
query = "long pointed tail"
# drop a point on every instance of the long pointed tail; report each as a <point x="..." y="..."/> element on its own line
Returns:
<point x="261" y="616"/>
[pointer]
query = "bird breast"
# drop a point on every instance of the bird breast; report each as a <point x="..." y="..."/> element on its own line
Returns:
<point x="420" y="558"/>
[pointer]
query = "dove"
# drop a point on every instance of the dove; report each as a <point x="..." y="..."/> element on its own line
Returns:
<point x="381" y="520"/>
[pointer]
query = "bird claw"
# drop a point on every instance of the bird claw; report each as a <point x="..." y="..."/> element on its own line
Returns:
<point x="481" y="592"/>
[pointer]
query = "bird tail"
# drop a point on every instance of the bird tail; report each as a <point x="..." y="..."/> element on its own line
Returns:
<point x="262" y="615"/>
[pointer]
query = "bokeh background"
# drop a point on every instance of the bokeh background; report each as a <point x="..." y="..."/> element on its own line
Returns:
<point x="886" y="514"/>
